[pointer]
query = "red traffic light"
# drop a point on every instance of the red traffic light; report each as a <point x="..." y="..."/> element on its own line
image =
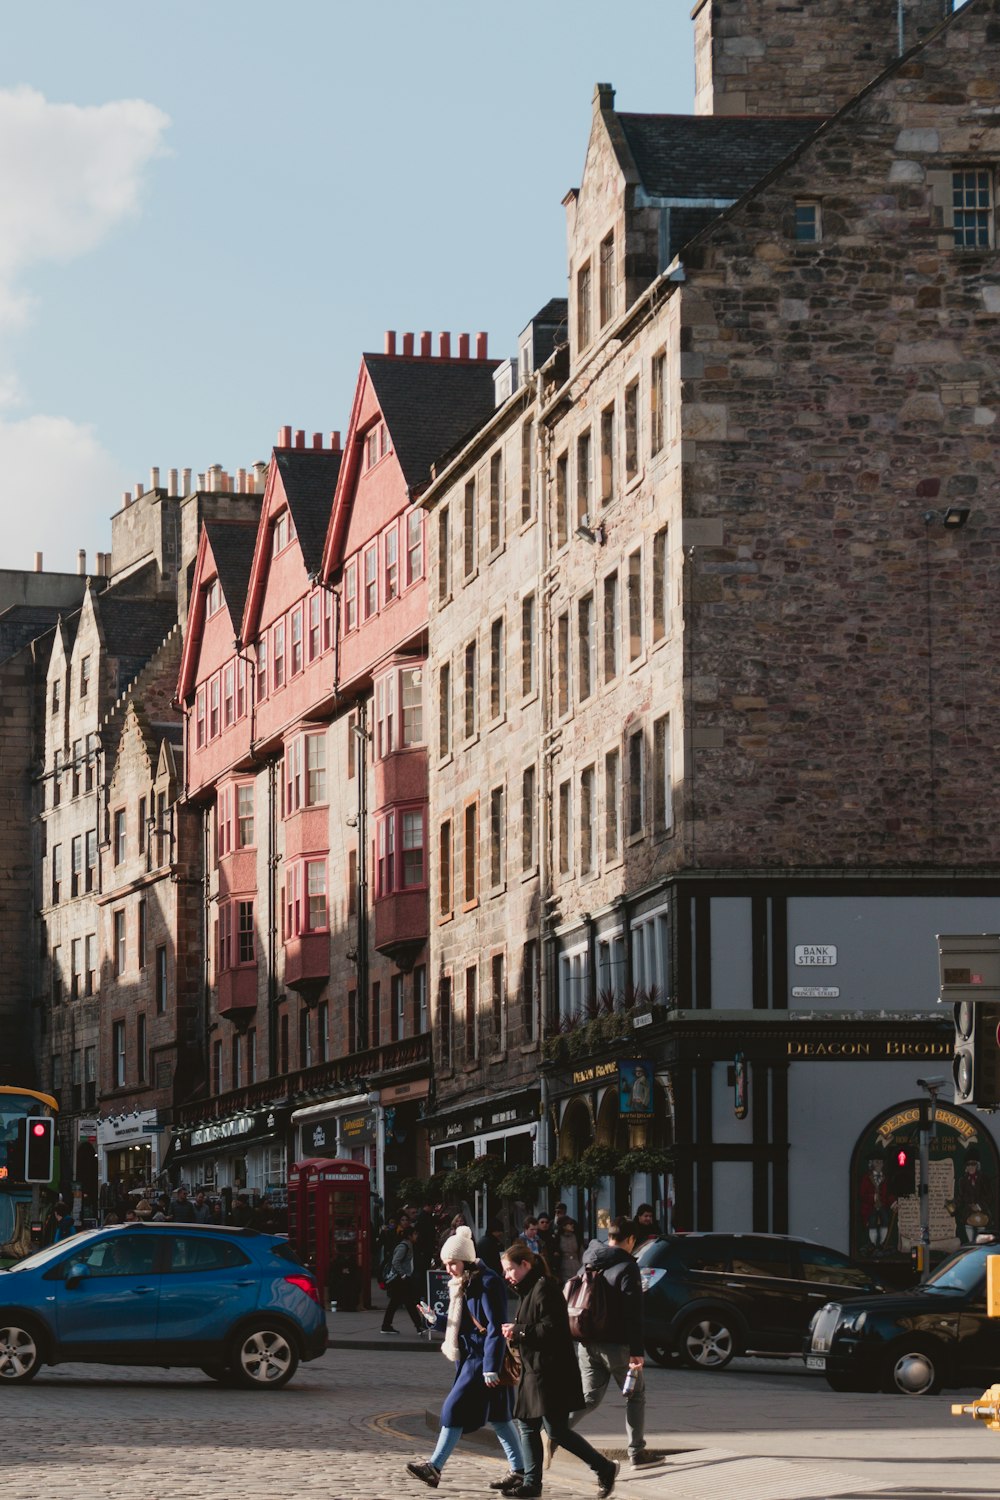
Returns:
<point x="38" y="1128"/>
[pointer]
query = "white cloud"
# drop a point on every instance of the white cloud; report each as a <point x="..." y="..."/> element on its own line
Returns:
<point x="61" y="487"/>
<point x="68" y="175"/>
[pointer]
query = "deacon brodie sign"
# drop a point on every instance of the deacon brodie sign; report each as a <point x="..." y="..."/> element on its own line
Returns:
<point x="886" y="1049"/>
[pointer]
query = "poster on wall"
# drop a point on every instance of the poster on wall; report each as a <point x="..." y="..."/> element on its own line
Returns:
<point x="885" y="1182"/>
<point x="635" y="1090"/>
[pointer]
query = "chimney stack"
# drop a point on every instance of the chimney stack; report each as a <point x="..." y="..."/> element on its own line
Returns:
<point x="408" y="343"/>
<point x="126" y="498"/>
<point x="172" y="482"/>
<point x="444" y="345"/>
<point x="284" y="437"/>
<point x="317" y="440"/>
<point x="154" y="479"/>
<point x="463" y="346"/>
<point x="390" y="341"/>
<point x="425" y="345"/>
<point x="38" y="563"/>
<point x="186" y="481"/>
<point x="139" y="491"/>
<point x="481" y="343"/>
<point x="334" y="442"/>
<point x="81" y="562"/>
<point x="300" y="437"/>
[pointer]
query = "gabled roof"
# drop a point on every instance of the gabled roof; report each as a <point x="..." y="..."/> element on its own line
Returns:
<point x="709" y="156"/>
<point x="227" y="548"/>
<point x="429" y="405"/>
<point x="309" y="479"/>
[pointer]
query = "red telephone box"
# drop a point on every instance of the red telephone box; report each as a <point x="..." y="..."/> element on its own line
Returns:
<point x="329" y="1223"/>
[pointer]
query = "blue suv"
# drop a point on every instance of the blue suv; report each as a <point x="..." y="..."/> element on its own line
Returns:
<point x="234" y="1303"/>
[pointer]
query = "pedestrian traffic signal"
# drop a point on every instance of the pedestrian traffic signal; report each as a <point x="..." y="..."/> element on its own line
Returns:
<point x="905" y="1174"/>
<point x="39" y="1148"/>
<point x="976" y="1065"/>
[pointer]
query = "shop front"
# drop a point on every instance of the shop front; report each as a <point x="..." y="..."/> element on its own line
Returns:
<point x="505" y="1126"/>
<point x="342" y="1128"/>
<point x="402" y="1145"/>
<point x="244" y="1153"/>
<point x="130" y="1151"/>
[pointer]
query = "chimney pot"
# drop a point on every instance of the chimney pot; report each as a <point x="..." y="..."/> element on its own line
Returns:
<point x="317" y="440"/>
<point x="334" y="442"/>
<point x="481" y="345"/>
<point x="241" y="481"/>
<point x="300" y="437"/>
<point x="126" y="497"/>
<point x="463" y="346"/>
<point x="284" y="437"/>
<point x="201" y="482"/>
<point x="38" y="563"/>
<point x="81" y="562"/>
<point x="139" y="492"/>
<point x="390" y="341"/>
<point x="172" y="482"/>
<point x="154" y="479"/>
<point x="186" y="481"/>
<point x="444" y="345"/>
<point x="425" y="345"/>
<point x="408" y="343"/>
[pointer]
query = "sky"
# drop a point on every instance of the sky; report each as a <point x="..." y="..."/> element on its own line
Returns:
<point x="210" y="208"/>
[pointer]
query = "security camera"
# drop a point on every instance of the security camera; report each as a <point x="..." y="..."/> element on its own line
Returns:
<point x="931" y="1083"/>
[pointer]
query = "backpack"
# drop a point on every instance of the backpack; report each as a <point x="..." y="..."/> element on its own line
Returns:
<point x="594" y="1307"/>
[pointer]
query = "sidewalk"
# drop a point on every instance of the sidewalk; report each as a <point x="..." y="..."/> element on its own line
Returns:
<point x="361" y="1330"/>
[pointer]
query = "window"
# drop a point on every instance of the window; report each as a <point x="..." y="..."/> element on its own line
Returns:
<point x="163" y="831"/>
<point x="251" y="1055"/>
<point x="385" y="866"/>
<point x="90" y="860"/>
<point x="118" y="942"/>
<point x="56" y="699"/>
<point x="470" y="528"/>
<point x="371" y="581"/>
<point x="77" y="753"/>
<point x="807" y="221"/>
<point x="56" y="870"/>
<point x="530" y="989"/>
<point x="414" y="546"/>
<point x="140" y="826"/>
<point x="351" y="596"/>
<point x="161" y="980"/>
<point x="636" y="783"/>
<point x="445" y="897"/>
<point x="651" y="953"/>
<point x="444" y="710"/>
<point x="316" y="892"/>
<point x="296" y="641"/>
<point x="444" y="1019"/>
<point x="241" y="687"/>
<point x="498" y="998"/>
<point x="612" y="627"/>
<point x="574" y="982"/>
<point x="607" y="455"/>
<point x="972" y="208"/>
<point x="76" y="968"/>
<point x="527" y="472"/>
<point x="397" y="1000"/>
<point x="76" y="865"/>
<point x="471" y="1013"/>
<point x="444" y="555"/>
<point x="199" y="718"/>
<point x="142" y="932"/>
<point x="323" y="1030"/>
<point x="90" y="964"/>
<point x="635" y="604"/>
<point x="353" y="735"/>
<point x="588" y="821"/>
<point x="85" y="677"/>
<point x="498" y="819"/>
<point x="305" y="1039"/>
<point x="496" y="669"/>
<point x="562" y="664"/>
<point x="293" y="777"/>
<point x="278" y="664"/>
<point x="661" y="584"/>
<point x="262" y="669"/>
<point x="214" y="713"/>
<point x="529" y="819"/>
<point x="281" y="532"/>
<point x="657" y="397"/>
<point x="352" y="882"/>
<point x="496" y="501"/>
<point x="611" y="966"/>
<point x="56" y="777"/>
<point x="390" y="564"/>
<point x="315" y="769"/>
<point x="76" y="1062"/>
<point x="584" y="480"/>
<point x="411" y="681"/>
<point x="470" y="853"/>
<point x="663" y="796"/>
<point x="527" y="645"/>
<point x="565" y="828"/>
<point x="315" y="627"/>
<point x="413" y="847"/>
<point x="244" y="815"/>
<point x="612" y="805"/>
<point x="420" y="1018"/>
<point x="119" y="836"/>
<point x="607" y="278"/>
<point x="583" y="299"/>
<point x="562" y="500"/>
<point x="586" y="646"/>
<point x="246" y="952"/>
<point x="90" y="762"/>
<point x="631" y="431"/>
<point x="140" y="1048"/>
<point x="118" y="1052"/>
<point x="470" y="691"/>
<point x="217" y="1065"/>
<point x="228" y="695"/>
<point x="385" y="715"/>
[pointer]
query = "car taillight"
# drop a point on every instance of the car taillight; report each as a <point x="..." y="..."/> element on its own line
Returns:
<point x="650" y="1276"/>
<point x="305" y="1284"/>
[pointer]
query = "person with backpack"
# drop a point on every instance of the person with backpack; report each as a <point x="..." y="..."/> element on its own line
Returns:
<point x="605" y="1311"/>
<point x="549" y="1386"/>
<point x="401" y="1286"/>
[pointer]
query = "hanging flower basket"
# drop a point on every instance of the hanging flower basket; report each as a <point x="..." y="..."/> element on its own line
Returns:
<point x="523" y="1184"/>
<point x="645" y="1159"/>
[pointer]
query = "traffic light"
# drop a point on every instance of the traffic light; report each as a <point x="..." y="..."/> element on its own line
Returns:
<point x="39" y="1148"/>
<point x="904" y="1177"/>
<point x="976" y="1065"/>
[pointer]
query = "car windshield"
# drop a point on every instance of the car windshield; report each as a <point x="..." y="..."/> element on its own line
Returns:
<point x="963" y="1273"/>
<point x="53" y="1252"/>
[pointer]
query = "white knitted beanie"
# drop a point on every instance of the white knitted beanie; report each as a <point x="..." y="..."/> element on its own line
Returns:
<point x="459" y="1246"/>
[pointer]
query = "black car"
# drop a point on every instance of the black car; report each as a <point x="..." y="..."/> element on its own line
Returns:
<point x="711" y="1296"/>
<point x="912" y="1342"/>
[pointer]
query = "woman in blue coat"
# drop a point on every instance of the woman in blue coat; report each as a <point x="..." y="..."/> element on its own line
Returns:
<point x="477" y="1307"/>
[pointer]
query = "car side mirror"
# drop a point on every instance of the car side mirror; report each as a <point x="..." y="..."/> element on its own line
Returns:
<point x="78" y="1271"/>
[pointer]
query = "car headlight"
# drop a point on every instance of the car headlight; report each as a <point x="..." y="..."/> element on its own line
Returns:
<point x="853" y="1323"/>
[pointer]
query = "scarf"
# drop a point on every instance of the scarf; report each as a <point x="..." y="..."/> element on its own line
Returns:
<point x="456" y="1304"/>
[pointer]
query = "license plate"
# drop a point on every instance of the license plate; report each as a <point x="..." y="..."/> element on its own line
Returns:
<point x="815" y="1361"/>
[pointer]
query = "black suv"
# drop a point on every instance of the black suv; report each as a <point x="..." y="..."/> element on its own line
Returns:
<point x="912" y="1342"/>
<point x="711" y="1296"/>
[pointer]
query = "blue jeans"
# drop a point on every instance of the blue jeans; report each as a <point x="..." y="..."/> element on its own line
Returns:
<point x="563" y="1436"/>
<point x="506" y="1436"/>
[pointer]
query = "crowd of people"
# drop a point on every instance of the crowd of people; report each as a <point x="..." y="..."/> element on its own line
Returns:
<point x="533" y="1401"/>
<point x="178" y="1207"/>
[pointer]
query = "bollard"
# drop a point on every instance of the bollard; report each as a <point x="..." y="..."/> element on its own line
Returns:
<point x="985" y="1409"/>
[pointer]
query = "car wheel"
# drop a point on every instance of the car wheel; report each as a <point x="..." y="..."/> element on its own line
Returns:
<point x="663" y="1354"/>
<point x="20" y="1355"/>
<point x="707" y="1341"/>
<point x="912" y="1370"/>
<point x="263" y="1356"/>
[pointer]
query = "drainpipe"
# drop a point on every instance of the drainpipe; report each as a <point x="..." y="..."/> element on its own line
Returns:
<point x="361" y="731"/>
<point x="273" y="858"/>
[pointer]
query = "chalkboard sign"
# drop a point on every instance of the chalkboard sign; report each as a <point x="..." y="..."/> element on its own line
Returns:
<point x="437" y="1296"/>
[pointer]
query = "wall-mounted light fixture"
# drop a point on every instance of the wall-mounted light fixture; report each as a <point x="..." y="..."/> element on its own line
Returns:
<point x="953" y="519"/>
<point x="595" y="534"/>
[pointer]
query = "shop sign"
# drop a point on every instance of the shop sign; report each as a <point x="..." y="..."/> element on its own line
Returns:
<point x="741" y="1087"/>
<point x="222" y="1130"/>
<point x="125" y="1127"/>
<point x="888" y="1049"/>
<point x="357" y="1130"/>
<point x="815" y="992"/>
<point x="321" y="1137"/>
<point x="596" y="1073"/>
<point x="86" y="1132"/>
<point x="815" y="955"/>
<point x="635" y="1090"/>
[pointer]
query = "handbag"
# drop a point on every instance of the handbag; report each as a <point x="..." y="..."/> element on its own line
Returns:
<point x="510" y="1365"/>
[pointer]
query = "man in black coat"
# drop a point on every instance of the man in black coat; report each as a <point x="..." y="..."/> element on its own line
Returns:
<point x="489" y="1245"/>
<point x="621" y="1353"/>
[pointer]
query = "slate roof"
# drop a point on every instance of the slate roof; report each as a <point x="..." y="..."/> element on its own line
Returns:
<point x="232" y="544"/>
<point x="556" y="310"/>
<point x="21" y="623"/>
<point x="309" y="476"/>
<point x="710" y="156"/>
<point x="430" y="406"/>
